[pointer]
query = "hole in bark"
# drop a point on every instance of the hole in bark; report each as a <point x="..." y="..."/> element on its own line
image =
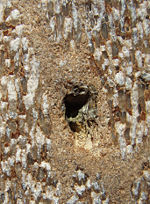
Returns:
<point x="74" y="103"/>
<point x="77" y="108"/>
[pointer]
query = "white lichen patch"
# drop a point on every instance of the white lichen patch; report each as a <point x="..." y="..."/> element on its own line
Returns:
<point x="80" y="190"/>
<point x="138" y="56"/>
<point x="32" y="84"/>
<point x="14" y="44"/>
<point x="148" y="113"/>
<point x="25" y="43"/>
<point x="129" y="70"/>
<point x="1" y="12"/>
<point x="72" y="200"/>
<point x="7" y="63"/>
<point x="128" y="83"/>
<point x="125" y="51"/>
<point x="5" y="167"/>
<point x="45" y="104"/>
<point x="134" y="101"/>
<point x="2" y="128"/>
<point x="39" y="137"/>
<point x="14" y="15"/>
<point x="67" y="27"/>
<point x="97" y="54"/>
<point x="12" y="94"/>
<point x="18" y="155"/>
<point x="119" y="78"/>
<point x="120" y="128"/>
<point x="19" y="30"/>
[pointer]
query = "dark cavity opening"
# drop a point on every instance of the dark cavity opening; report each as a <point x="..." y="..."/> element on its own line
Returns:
<point x="78" y="117"/>
<point x="73" y="103"/>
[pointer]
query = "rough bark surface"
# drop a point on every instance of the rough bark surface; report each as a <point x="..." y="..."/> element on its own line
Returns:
<point x="74" y="101"/>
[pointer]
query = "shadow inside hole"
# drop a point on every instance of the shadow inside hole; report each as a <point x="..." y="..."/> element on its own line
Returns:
<point x="74" y="103"/>
<point x="80" y="108"/>
<point x="74" y="127"/>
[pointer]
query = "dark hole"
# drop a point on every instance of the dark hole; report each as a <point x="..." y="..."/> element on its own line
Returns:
<point x="89" y="124"/>
<point x="89" y="6"/>
<point x="139" y="108"/>
<point x="117" y="68"/>
<point x="147" y="86"/>
<point x="74" y="103"/>
<point x="138" y="119"/>
<point x="105" y="54"/>
<point x="147" y="17"/>
<point x="106" y="17"/>
<point x="127" y="134"/>
<point x="77" y="117"/>
<point x="74" y="127"/>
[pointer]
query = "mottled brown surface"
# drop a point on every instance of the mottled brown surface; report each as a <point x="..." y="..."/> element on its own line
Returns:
<point x="65" y="157"/>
